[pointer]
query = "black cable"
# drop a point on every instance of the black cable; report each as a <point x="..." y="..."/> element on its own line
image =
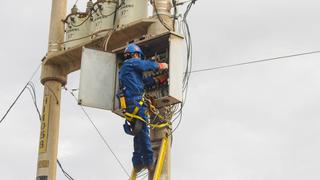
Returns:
<point x="253" y="62"/>
<point x="63" y="171"/>
<point x="105" y="141"/>
<point x="158" y="16"/>
<point x="100" y="134"/>
<point x="89" y="15"/>
<point x="32" y="92"/>
<point x="117" y="8"/>
<point x="23" y="89"/>
<point x="14" y="102"/>
<point x="76" y="2"/>
<point x="187" y="35"/>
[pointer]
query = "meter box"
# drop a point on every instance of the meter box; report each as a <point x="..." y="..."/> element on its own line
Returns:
<point x="99" y="73"/>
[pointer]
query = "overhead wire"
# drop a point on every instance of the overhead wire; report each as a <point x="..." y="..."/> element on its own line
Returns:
<point x="100" y="134"/>
<point x="253" y="62"/>
<point x="158" y="15"/>
<point x="32" y="91"/>
<point x="76" y="2"/>
<point x="19" y="95"/>
<point x="89" y="15"/>
<point x="188" y="41"/>
<point x="63" y="171"/>
<point x="31" y="88"/>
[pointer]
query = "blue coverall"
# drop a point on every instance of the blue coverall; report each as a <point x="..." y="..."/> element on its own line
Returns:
<point x="133" y="84"/>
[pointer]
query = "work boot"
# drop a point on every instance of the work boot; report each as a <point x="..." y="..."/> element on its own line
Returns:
<point x="152" y="167"/>
<point x="137" y="127"/>
<point x="138" y="168"/>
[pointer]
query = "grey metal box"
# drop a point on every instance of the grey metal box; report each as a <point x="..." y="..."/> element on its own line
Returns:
<point x="99" y="72"/>
<point x="97" y="79"/>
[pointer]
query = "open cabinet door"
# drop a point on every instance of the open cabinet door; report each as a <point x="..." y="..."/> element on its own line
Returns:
<point x="97" y="79"/>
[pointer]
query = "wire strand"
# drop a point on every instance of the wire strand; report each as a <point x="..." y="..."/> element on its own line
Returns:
<point x="63" y="171"/>
<point x="257" y="61"/>
<point x="100" y="134"/>
<point x="32" y="91"/>
<point x="17" y="98"/>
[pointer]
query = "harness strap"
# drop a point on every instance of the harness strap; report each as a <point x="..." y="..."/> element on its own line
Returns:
<point x="130" y="116"/>
<point x="134" y="112"/>
<point x="133" y="116"/>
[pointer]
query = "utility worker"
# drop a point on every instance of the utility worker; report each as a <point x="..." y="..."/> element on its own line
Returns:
<point x="132" y="85"/>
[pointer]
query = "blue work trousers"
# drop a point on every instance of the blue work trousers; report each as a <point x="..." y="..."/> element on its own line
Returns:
<point x="142" y="154"/>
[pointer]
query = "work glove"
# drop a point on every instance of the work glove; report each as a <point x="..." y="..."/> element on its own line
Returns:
<point x="163" y="66"/>
<point x="161" y="79"/>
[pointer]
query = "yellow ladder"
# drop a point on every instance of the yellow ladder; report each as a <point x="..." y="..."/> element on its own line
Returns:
<point x="159" y="166"/>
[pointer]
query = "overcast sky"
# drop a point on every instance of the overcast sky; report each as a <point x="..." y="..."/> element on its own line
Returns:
<point x="253" y="122"/>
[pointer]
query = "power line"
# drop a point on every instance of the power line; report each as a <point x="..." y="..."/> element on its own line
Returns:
<point x="23" y="89"/>
<point x="188" y="41"/>
<point x="253" y="62"/>
<point x="32" y="92"/>
<point x="76" y="3"/>
<point x="101" y="136"/>
<point x="63" y="171"/>
<point x="31" y="89"/>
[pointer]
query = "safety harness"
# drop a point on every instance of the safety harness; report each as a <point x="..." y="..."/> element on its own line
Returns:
<point x="131" y="117"/>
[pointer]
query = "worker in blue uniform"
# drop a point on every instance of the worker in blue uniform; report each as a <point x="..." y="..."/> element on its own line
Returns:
<point x="133" y="86"/>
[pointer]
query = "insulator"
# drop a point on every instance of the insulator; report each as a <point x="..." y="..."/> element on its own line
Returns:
<point x="89" y="6"/>
<point x="74" y="10"/>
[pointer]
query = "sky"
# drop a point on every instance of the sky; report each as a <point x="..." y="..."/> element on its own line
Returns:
<point x="252" y="122"/>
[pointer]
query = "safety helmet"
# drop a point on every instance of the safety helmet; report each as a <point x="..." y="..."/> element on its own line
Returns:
<point x="133" y="48"/>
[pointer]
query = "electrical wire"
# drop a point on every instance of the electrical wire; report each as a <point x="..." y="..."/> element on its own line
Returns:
<point x="188" y="41"/>
<point x="31" y="88"/>
<point x="23" y="89"/>
<point x="76" y="2"/>
<point x="158" y="15"/>
<point x="117" y="8"/>
<point x="32" y="91"/>
<point x="89" y="15"/>
<point x="100" y="134"/>
<point x="63" y="171"/>
<point x="256" y="61"/>
<point x="85" y="20"/>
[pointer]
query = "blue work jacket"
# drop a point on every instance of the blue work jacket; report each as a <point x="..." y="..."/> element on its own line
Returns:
<point x="131" y="76"/>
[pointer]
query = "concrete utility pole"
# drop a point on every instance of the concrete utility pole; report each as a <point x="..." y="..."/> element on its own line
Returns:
<point x="164" y="12"/>
<point x="52" y="77"/>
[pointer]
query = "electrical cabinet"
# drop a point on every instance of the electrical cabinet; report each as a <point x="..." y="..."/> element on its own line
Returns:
<point x="104" y="86"/>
